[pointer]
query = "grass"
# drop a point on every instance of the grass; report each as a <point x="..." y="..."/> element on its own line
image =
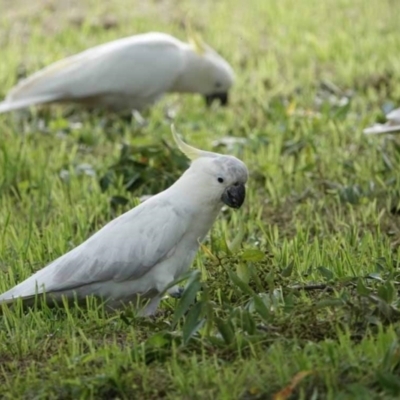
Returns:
<point x="322" y="207"/>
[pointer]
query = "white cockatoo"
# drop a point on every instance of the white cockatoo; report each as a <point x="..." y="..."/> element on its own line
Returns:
<point x="140" y="253"/>
<point x="391" y="126"/>
<point x="128" y="74"/>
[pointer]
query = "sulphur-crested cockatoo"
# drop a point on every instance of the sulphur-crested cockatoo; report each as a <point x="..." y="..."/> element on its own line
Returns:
<point x="391" y="126"/>
<point x="128" y="74"/>
<point x="140" y="253"/>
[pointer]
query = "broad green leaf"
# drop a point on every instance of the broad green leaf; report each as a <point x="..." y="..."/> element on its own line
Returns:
<point x="226" y="330"/>
<point x="362" y="290"/>
<point x="187" y="298"/>
<point x="389" y="382"/>
<point x="248" y="322"/>
<point x="245" y="288"/>
<point x="193" y="322"/>
<point x="242" y="271"/>
<point x="326" y="273"/>
<point x="287" y="271"/>
<point x="260" y="307"/>
<point x="391" y="359"/>
<point x="252" y="255"/>
<point x="387" y="292"/>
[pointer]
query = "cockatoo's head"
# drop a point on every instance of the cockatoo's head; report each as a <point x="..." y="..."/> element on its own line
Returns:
<point x="222" y="178"/>
<point x="205" y="72"/>
<point x="215" y="76"/>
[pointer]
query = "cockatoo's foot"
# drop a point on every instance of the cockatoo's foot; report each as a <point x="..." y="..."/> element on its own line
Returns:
<point x="150" y="308"/>
<point x="176" y="292"/>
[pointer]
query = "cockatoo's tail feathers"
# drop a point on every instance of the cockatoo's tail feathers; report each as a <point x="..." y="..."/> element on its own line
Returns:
<point x="190" y="152"/>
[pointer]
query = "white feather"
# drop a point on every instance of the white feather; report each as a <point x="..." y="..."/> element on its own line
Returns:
<point x="391" y="126"/>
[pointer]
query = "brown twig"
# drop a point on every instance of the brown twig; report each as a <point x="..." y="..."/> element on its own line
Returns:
<point x="315" y="286"/>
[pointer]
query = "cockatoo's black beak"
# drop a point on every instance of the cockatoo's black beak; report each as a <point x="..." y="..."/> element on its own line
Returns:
<point x="234" y="195"/>
<point x="222" y="97"/>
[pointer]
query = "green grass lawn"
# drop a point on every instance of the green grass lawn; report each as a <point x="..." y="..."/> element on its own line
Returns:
<point x="303" y="279"/>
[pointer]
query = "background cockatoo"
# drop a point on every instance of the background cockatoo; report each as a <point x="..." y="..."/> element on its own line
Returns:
<point x="128" y="74"/>
<point x="140" y="253"/>
<point x="391" y="126"/>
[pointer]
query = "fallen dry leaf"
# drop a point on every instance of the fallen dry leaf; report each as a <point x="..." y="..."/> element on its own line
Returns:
<point x="288" y="390"/>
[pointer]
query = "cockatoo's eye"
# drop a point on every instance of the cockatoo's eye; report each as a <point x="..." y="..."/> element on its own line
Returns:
<point x="220" y="180"/>
<point x="218" y="85"/>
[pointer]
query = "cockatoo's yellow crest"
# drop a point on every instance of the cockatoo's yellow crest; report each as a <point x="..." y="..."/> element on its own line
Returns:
<point x="195" y="39"/>
<point x="190" y="152"/>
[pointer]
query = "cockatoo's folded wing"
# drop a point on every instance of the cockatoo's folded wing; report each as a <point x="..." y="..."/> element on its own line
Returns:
<point x="137" y="67"/>
<point x="125" y="249"/>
